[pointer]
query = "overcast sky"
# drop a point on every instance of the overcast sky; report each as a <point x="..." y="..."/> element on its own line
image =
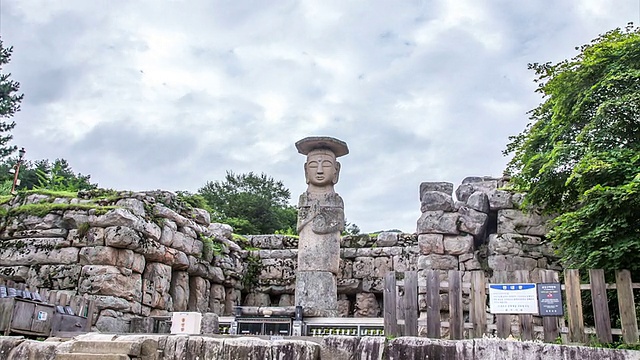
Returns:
<point x="146" y="95"/>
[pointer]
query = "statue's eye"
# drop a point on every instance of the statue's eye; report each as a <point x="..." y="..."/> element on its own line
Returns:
<point x="313" y="164"/>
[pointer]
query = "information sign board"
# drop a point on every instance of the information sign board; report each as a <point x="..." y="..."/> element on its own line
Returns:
<point x="513" y="299"/>
<point x="550" y="299"/>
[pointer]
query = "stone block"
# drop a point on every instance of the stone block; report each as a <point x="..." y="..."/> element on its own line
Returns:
<point x="381" y="266"/>
<point x="179" y="290"/>
<point x="431" y="244"/>
<point x="478" y="201"/>
<point x="435" y="200"/>
<point x="363" y="267"/>
<point x="386" y="239"/>
<point x="438" y="222"/>
<point x="518" y="222"/>
<point x="316" y="292"/>
<point x="443" y="187"/>
<point x="472" y="221"/>
<point x="349" y="286"/>
<point x="366" y="305"/>
<point x="156" y="282"/>
<point x="500" y="199"/>
<point x="438" y="262"/>
<point x="199" y="293"/>
<point x="110" y="280"/>
<point x="458" y="245"/>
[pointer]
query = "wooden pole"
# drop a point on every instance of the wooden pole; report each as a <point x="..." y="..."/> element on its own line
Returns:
<point x="389" y="301"/>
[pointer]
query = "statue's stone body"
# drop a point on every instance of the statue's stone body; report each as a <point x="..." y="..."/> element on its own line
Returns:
<point x="320" y="223"/>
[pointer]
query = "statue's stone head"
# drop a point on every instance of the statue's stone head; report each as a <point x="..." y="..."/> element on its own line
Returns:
<point x="322" y="169"/>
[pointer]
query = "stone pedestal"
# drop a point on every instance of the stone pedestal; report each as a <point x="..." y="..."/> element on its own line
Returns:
<point x="316" y="292"/>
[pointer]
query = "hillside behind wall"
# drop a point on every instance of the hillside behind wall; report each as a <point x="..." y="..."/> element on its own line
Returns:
<point x="153" y="254"/>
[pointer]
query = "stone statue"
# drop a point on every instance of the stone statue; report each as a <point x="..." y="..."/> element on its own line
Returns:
<point x="320" y="223"/>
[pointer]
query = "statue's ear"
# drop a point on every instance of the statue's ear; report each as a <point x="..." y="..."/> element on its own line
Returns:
<point x="306" y="174"/>
<point x="335" y="178"/>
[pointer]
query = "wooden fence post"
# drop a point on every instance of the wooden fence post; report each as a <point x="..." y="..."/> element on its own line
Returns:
<point x="503" y="321"/>
<point x="389" y="301"/>
<point x="411" y="303"/>
<point x="550" y="323"/>
<point x="627" y="307"/>
<point x="574" y="305"/>
<point x="433" y="304"/>
<point x="478" y="306"/>
<point x="526" y="320"/>
<point x="600" y="305"/>
<point x="456" y="321"/>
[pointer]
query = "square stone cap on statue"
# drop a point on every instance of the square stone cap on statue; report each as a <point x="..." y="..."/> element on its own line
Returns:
<point x="306" y="145"/>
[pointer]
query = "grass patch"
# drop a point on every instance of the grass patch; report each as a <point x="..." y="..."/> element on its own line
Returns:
<point x="52" y="193"/>
<point x="5" y="199"/>
<point x="44" y="208"/>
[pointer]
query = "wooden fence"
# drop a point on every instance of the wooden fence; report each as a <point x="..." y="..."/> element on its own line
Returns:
<point x="529" y="326"/>
<point x="42" y="312"/>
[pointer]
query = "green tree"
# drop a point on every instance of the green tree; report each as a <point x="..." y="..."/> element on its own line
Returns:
<point x="9" y="102"/>
<point x="579" y="157"/>
<point x="56" y="176"/>
<point x="250" y="203"/>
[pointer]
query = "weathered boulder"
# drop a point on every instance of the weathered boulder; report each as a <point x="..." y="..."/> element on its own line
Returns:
<point x="500" y="199"/>
<point x="479" y="201"/>
<point x="366" y="305"/>
<point x="18" y="252"/>
<point x="386" y="238"/>
<point x="363" y="267"/>
<point x="257" y="299"/>
<point x="443" y="187"/>
<point x="106" y="255"/>
<point x="134" y="205"/>
<point x="438" y="222"/>
<point x="512" y="221"/>
<point x="437" y="262"/>
<point x="472" y="221"/>
<point x="435" y="200"/>
<point x="57" y="277"/>
<point x="156" y="282"/>
<point x="431" y="244"/>
<point x="110" y="280"/>
<point x="179" y="290"/>
<point x="199" y="292"/>
<point x="458" y="245"/>
<point x="217" y="299"/>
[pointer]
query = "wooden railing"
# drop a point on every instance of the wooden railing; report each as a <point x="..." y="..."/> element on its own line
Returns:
<point x="551" y="327"/>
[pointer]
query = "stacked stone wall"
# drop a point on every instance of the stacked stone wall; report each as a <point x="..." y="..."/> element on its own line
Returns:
<point x="145" y="256"/>
<point x="151" y="254"/>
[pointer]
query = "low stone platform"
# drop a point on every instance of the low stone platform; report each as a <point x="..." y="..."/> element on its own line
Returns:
<point x="96" y="346"/>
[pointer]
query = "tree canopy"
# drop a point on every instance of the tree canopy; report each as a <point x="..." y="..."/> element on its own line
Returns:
<point x="9" y="102"/>
<point x="579" y="157"/>
<point x="251" y="203"/>
<point x="43" y="174"/>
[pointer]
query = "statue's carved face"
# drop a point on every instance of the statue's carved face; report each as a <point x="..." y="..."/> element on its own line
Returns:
<point x="321" y="168"/>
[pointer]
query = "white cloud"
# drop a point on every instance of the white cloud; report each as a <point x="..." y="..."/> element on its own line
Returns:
<point x="147" y="95"/>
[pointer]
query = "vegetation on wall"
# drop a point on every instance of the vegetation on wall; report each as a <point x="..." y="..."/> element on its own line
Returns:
<point x="579" y="157"/>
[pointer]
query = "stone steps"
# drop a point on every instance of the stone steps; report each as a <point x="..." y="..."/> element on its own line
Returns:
<point x="146" y="349"/>
<point x="85" y="356"/>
